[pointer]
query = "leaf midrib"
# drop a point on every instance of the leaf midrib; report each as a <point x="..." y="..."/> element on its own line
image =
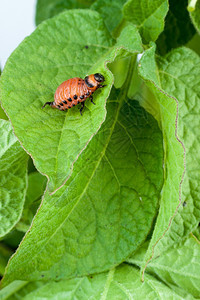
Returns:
<point x="89" y="181"/>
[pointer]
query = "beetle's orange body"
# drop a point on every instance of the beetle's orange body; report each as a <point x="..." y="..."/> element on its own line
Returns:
<point x="76" y="90"/>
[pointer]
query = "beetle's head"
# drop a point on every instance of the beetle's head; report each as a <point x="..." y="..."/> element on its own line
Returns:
<point x="98" y="77"/>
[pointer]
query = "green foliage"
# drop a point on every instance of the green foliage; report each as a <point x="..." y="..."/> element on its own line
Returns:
<point x="118" y="184"/>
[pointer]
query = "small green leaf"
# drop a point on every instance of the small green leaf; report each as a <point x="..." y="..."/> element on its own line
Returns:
<point x="178" y="27"/>
<point x="53" y="53"/>
<point x="111" y="11"/>
<point x="13" y="178"/>
<point x="49" y="8"/>
<point x="148" y="15"/>
<point x="107" y="206"/>
<point x="195" y="15"/>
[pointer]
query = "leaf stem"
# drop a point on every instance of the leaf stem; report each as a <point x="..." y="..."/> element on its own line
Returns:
<point x="191" y="5"/>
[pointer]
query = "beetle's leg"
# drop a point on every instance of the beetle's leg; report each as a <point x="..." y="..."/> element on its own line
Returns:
<point x="101" y="86"/>
<point x="82" y="106"/>
<point x="91" y="99"/>
<point x="47" y="103"/>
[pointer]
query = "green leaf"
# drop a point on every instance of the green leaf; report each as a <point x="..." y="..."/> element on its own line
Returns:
<point x="111" y="11"/>
<point x="107" y="206"/>
<point x="49" y="8"/>
<point x="13" y="178"/>
<point x="178" y="75"/>
<point x="195" y="16"/>
<point x="148" y="15"/>
<point x="53" y="53"/>
<point x="179" y="265"/>
<point x="178" y="27"/>
<point x="120" y="283"/>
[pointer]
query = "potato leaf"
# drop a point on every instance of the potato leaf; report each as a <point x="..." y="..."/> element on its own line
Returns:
<point x="53" y="53"/>
<point x="106" y="208"/>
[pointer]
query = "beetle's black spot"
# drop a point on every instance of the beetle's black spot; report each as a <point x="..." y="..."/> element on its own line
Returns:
<point x="78" y="102"/>
<point x="58" y="106"/>
<point x="69" y="99"/>
<point x="65" y="101"/>
<point x="73" y="104"/>
<point x="69" y="106"/>
<point x="86" y="47"/>
<point x="61" y="104"/>
<point x="82" y="97"/>
<point x="75" y="97"/>
<point x="88" y="94"/>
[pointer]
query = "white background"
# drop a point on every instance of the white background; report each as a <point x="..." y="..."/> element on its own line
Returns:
<point x="17" y="20"/>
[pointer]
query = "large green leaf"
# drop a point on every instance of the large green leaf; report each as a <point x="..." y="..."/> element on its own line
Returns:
<point x="178" y="27"/>
<point x="120" y="283"/>
<point x="53" y="53"/>
<point x="195" y="14"/>
<point x="49" y="8"/>
<point x="148" y="15"/>
<point x="107" y="206"/>
<point x="179" y="265"/>
<point x="178" y="76"/>
<point x="13" y="178"/>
